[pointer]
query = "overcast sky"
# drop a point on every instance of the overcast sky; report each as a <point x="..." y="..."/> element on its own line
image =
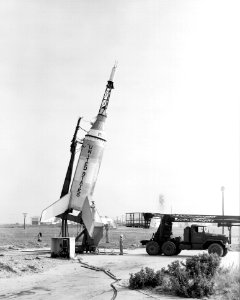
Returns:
<point x="173" y="117"/>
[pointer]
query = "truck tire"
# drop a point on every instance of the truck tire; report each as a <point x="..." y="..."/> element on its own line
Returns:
<point x="225" y="251"/>
<point x="152" y="248"/>
<point x="169" y="248"/>
<point x="216" y="248"/>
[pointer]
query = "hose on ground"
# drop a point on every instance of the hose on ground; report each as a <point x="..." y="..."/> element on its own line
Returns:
<point x="107" y="272"/>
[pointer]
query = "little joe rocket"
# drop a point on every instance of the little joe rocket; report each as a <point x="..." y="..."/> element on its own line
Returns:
<point x="82" y="187"/>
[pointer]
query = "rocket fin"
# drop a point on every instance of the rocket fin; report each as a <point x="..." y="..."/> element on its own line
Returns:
<point x="87" y="216"/>
<point x="92" y="221"/>
<point x="56" y="208"/>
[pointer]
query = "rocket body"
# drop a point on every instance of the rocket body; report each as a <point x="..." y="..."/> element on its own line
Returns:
<point x="88" y="165"/>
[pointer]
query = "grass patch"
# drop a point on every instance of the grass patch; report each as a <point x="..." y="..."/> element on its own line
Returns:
<point x="7" y="268"/>
<point x="227" y="284"/>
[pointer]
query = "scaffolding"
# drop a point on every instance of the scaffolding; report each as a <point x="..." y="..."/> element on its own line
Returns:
<point x="139" y="219"/>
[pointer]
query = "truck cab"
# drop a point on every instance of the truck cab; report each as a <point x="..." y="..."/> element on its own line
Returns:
<point x="196" y="238"/>
<point x="194" y="234"/>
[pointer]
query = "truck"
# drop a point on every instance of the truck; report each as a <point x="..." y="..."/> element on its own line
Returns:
<point x="195" y="236"/>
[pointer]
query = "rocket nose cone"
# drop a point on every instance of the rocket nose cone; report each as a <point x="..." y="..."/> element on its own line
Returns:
<point x="113" y="72"/>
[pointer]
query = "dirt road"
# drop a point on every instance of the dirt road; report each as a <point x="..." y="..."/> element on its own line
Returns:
<point x="68" y="279"/>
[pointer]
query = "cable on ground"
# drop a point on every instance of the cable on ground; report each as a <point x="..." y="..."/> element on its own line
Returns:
<point x="107" y="272"/>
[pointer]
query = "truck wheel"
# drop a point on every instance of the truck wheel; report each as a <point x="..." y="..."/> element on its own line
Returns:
<point x="169" y="248"/>
<point x="225" y="251"/>
<point x="152" y="248"/>
<point x="216" y="248"/>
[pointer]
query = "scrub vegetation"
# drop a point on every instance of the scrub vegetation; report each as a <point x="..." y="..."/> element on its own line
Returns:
<point x="200" y="276"/>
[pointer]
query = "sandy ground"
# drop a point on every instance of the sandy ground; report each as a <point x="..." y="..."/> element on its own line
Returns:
<point x="37" y="276"/>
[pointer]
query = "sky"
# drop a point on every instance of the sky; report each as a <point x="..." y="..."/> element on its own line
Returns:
<point x="173" y="117"/>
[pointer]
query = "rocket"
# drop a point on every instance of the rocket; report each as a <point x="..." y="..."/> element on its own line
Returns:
<point x="79" y="197"/>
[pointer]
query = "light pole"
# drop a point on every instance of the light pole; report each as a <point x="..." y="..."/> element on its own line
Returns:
<point x="24" y="218"/>
<point x="222" y="190"/>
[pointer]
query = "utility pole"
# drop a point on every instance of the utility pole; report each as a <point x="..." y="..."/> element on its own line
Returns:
<point x="222" y="190"/>
<point x="24" y="218"/>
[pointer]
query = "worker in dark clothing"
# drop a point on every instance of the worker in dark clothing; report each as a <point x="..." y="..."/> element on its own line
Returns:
<point x="39" y="237"/>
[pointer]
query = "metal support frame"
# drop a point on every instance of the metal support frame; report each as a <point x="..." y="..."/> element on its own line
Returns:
<point x="64" y="225"/>
<point x="105" y="100"/>
<point x="67" y="180"/>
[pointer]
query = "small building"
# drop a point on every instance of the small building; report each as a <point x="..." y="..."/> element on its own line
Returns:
<point x="36" y="220"/>
<point x="54" y="221"/>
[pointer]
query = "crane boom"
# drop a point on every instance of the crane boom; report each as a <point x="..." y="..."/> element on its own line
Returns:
<point x="226" y="220"/>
